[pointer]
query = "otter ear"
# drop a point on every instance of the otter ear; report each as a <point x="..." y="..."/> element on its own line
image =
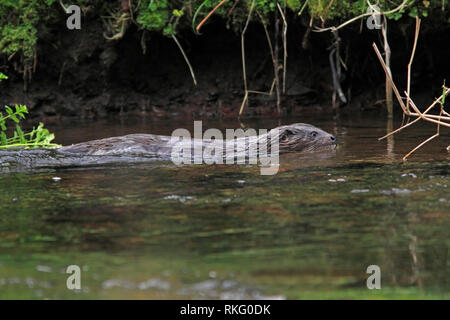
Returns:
<point x="286" y="134"/>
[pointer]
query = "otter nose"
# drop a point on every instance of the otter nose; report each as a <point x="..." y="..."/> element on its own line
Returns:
<point x="333" y="138"/>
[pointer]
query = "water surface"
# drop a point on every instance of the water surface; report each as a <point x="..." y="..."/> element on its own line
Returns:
<point x="158" y="231"/>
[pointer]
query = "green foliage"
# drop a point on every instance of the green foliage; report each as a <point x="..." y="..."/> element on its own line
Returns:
<point x="265" y="6"/>
<point x="18" y="21"/>
<point x="177" y="13"/>
<point x="159" y="15"/>
<point x="333" y="9"/>
<point x="24" y="22"/>
<point x="153" y="15"/>
<point x="38" y="137"/>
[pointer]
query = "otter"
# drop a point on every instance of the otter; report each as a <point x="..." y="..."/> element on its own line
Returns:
<point x="297" y="137"/>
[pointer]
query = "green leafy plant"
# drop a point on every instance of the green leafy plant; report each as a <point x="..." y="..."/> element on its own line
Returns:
<point x="153" y="15"/>
<point x="38" y="137"/>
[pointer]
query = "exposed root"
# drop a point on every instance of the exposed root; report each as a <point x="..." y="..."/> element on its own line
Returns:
<point x="335" y="65"/>
<point x="118" y="25"/>
<point x="387" y="59"/>
<point x="185" y="58"/>
<point x="276" y="67"/>
<point x="416" y="36"/>
<point x="284" y="44"/>
<point x="244" y="70"/>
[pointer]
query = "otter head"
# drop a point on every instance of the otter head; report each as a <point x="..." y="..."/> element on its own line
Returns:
<point x="304" y="137"/>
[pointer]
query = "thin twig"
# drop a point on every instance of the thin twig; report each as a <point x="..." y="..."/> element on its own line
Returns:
<point x="440" y="119"/>
<point x="232" y="8"/>
<point x="423" y="116"/>
<point x="247" y="92"/>
<point x="432" y="116"/>
<point x="416" y="36"/>
<point x="421" y="144"/>
<point x="209" y="15"/>
<point x="244" y="101"/>
<point x="389" y="77"/>
<point x="243" y="44"/>
<point x="264" y="93"/>
<point x="387" y="59"/>
<point x="303" y="8"/>
<point x="244" y="71"/>
<point x="284" y="45"/>
<point x="447" y="91"/>
<point x="276" y="68"/>
<point x="399" y="129"/>
<point x="186" y="59"/>
<point x="335" y="65"/>
<point x="63" y="6"/>
<point x="269" y="42"/>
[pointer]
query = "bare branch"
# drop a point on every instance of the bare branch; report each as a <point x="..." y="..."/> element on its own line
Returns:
<point x="185" y="58"/>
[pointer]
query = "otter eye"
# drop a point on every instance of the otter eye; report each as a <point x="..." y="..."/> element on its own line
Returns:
<point x="314" y="134"/>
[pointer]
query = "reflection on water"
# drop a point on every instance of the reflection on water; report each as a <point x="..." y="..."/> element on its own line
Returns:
<point x="155" y="231"/>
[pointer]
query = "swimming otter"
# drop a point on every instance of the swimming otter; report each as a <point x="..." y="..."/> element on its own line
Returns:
<point x="297" y="137"/>
<point x="134" y="148"/>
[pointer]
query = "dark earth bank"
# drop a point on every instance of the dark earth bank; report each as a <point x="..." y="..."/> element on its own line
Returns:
<point x="81" y="74"/>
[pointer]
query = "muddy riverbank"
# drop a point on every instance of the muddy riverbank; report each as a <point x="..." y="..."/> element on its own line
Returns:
<point x="81" y="74"/>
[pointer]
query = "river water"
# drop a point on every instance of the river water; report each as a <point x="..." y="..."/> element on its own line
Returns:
<point x="159" y="231"/>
